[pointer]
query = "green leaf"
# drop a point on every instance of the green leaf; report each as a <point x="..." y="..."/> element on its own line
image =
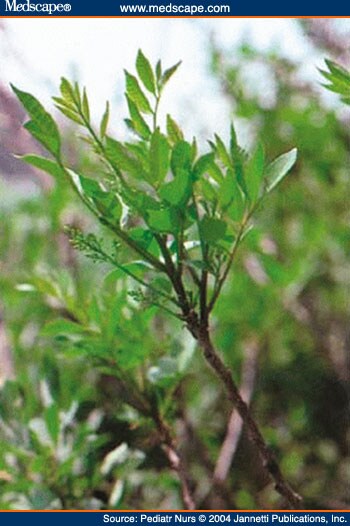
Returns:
<point x="77" y="94"/>
<point x="67" y="93"/>
<point x="44" y="139"/>
<point x="237" y="206"/>
<point x="42" y="126"/>
<point x="231" y="197"/>
<point x="277" y="170"/>
<point x="104" y="121"/>
<point x="174" y="132"/>
<point x="212" y="229"/>
<point x="143" y="236"/>
<point x="145" y="72"/>
<point x="61" y="327"/>
<point x="237" y="161"/>
<point x="159" y="71"/>
<point x="52" y="420"/>
<point x="86" y="108"/>
<point x="137" y="122"/>
<point x="70" y="114"/>
<point x="222" y="152"/>
<point x="168" y="73"/>
<point x="181" y="157"/>
<point x="207" y="190"/>
<point x="120" y="156"/>
<point x="91" y="192"/>
<point x="159" y="157"/>
<point x="105" y="202"/>
<point x="136" y="94"/>
<point x="203" y="164"/>
<point x="339" y="78"/>
<point x="255" y="172"/>
<point x="178" y="191"/>
<point x="337" y="70"/>
<point x="164" y="221"/>
<point x="227" y="189"/>
<point x="48" y="166"/>
<point x="138" y="201"/>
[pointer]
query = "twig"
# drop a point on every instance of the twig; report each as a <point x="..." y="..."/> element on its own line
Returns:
<point x="175" y="461"/>
<point x="235" y="424"/>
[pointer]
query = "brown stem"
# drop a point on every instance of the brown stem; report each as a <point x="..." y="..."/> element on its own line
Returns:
<point x="269" y="461"/>
<point x="175" y="461"/>
<point x="174" y="276"/>
<point x="235" y="424"/>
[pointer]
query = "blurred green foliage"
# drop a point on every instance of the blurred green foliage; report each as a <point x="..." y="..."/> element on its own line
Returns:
<point x="298" y="300"/>
<point x="71" y="434"/>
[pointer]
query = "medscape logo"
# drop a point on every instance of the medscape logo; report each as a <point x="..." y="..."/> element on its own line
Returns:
<point x="35" y="8"/>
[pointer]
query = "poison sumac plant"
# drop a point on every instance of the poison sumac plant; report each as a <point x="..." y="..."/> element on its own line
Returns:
<point x="183" y="215"/>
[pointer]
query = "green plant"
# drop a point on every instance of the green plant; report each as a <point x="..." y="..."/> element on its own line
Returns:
<point x="181" y="214"/>
<point x="46" y="448"/>
<point x="296" y="292"/>
<point x="339" y="80"/>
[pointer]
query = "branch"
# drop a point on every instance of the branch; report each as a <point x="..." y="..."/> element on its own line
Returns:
<point x="235" y="424"/>
<point x="269" y="462"/>
<point x="7" y="371"/>
<point x="175" y="461"/>
<point x="174" y="275"/>
<point x="192" y="272"/>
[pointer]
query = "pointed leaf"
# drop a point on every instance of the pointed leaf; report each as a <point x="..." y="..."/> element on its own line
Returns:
<point x="70" y="114"/>
<point x="168" y="73"/>
<point x="222" y="152"/>
<point x="124" y="160"/>
<point x="279" y="168"/>
<point x="203" y="165"/>
<point x="42" y="125"/>
<point x="237" y="161"/>
<point x="61" y="327"/>
<point x="181" y="157"/>
<point x="86" y="108"/>
<point x="159" y="70"/>
<point x="104" y="121"/>
<point x="41" y="136"/>
<point x="227" y="190"/>
<point x="67" y="92"/>
<point x="137" y="122"/>
<point x="48" y="166"/>
<point x="255" y="172"/>
<point x="145" y="72"/>
<point x="136" y="94"/>
<point x="174" y="132"/>
<point x="338" y="70"/>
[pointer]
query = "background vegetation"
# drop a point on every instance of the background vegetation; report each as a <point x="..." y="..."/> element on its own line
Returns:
<point x="71" y="437"/>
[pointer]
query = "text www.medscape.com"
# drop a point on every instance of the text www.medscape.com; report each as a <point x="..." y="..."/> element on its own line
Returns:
<point x="164" y="9"/>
